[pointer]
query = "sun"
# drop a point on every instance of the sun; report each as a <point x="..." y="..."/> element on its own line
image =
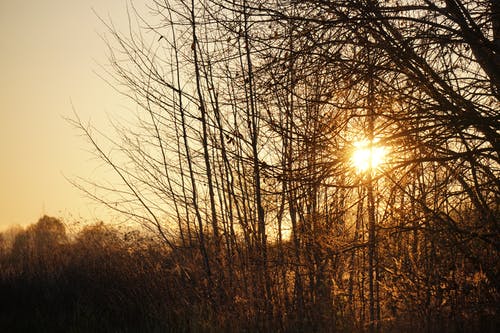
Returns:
<point x="367" y="155"/>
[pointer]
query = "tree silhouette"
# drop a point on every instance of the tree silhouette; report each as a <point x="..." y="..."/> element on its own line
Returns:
<point x="248" y="115"/>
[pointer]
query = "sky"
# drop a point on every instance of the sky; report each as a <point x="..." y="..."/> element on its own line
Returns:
<point x="50" y="54"/>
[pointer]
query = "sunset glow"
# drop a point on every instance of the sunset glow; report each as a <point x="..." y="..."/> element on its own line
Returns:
<point x="367" y="156"/>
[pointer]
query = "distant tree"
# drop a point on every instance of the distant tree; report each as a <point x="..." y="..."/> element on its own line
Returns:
<point x="40" y="244"/>
<point x="98" y="236"/>
<point x="48" y="232"/>
<point x="3" y="245"/>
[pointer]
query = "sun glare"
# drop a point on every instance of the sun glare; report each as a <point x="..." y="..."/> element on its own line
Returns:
<point x="367" y="155"/>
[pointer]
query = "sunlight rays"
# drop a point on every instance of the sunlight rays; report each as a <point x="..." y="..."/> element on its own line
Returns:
<point x="367" y="155"/>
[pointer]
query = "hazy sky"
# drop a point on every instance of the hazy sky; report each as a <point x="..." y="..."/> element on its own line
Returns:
<point x="48" y="54"/>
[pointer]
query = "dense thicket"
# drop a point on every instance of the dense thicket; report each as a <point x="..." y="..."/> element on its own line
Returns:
<point x="248" y="114"/>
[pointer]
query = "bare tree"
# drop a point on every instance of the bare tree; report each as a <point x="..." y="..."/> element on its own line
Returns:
<point x="248" y="116"/>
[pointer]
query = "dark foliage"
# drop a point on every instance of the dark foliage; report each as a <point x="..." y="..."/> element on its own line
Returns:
<point x="107" y="281"/>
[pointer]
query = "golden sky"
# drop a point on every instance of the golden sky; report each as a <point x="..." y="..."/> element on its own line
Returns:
<point x="49" y="52"/>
